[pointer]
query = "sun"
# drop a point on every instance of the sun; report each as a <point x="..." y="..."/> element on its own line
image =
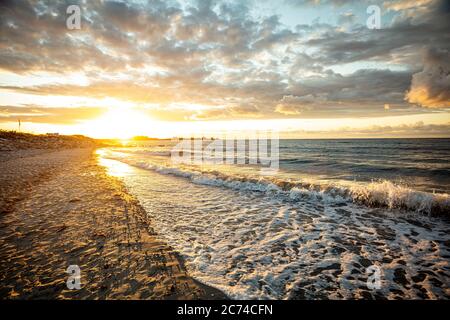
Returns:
<point x="121" y="123"/>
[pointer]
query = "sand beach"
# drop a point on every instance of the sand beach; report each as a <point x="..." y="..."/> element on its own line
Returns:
<point x="59" y="208"/>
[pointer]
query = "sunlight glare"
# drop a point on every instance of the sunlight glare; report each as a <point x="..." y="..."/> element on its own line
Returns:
<point x="119" y="122"/>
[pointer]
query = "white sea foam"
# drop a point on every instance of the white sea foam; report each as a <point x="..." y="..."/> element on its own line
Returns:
<point x="267" y="239"/>
<point x="375" y="194"/>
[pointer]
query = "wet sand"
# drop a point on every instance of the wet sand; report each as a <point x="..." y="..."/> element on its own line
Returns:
<point x="60" y="208"/>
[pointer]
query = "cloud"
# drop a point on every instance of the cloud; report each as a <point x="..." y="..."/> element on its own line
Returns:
<point x="347" y="18"/>
<point x="60" y="115"/>
<point x="431" y="87"/>
<point x="221" y="55"/>
<point x="288" y="109"/>
<point x="325" y="2"/>
<point x="361" y="92"/>
<point x="405" y="4"/>
<point x="401" y="40"/>
<point x="417" y="129"/>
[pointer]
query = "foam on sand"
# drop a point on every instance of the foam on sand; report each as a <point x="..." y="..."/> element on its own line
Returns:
<point x="266" y="239"/>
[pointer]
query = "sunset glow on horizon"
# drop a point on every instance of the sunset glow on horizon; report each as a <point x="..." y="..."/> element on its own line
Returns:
<point x="192" y="68"/>
<point x="221" y="150"/>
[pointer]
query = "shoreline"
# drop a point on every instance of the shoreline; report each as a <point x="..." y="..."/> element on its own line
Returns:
<point x="60" y="208"/>
<point x="63" y="206"/>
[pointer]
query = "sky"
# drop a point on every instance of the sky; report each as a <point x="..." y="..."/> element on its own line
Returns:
<point x="305" y="68"/>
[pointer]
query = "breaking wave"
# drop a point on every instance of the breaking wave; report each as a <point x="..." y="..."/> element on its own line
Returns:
<point x="384" y="193"/>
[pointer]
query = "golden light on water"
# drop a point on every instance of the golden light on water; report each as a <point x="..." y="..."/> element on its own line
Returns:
<point x="114" y="168"/>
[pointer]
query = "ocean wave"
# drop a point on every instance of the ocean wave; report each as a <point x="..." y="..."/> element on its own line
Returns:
<point x="145" y="152"/>
<point x="383" y="193"/>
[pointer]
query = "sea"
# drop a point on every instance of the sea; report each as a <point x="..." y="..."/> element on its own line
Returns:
<point x="332" y="219"/>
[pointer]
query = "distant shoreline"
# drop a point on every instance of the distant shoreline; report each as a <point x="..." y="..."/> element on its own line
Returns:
<point x="13" y="140"/>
